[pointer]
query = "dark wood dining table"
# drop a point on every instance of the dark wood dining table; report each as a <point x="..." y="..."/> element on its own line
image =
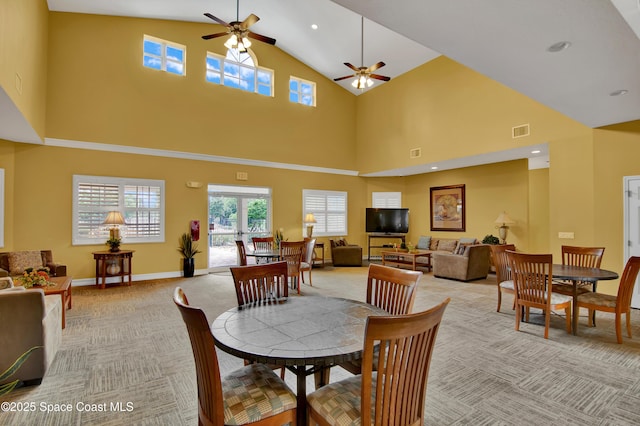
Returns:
<point x="575" y="275"/>
<point x="269" y="255"/>
<point x="306" y="334"/>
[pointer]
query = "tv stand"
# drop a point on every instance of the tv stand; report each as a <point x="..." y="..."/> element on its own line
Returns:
<point x="401" y="237"/>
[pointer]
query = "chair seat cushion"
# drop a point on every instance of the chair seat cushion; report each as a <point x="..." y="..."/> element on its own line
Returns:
<point x="507" y="285"/>
<point x="592" y="298"/>
<point x="339" y="403"/>
<point x="305" y="265"/>
<point x="253" y="393"/>
<point x="557" y="298"/>
<point x="568" y="289"/>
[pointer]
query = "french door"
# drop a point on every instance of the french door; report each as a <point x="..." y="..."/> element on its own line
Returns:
<point x="236" y="213"/>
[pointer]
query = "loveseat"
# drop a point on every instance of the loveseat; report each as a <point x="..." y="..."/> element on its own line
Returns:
<point x="13" y="263"/>
<point x="28" y="318"/>
<point x="459" y="259"/>
<point x="345" y="254"/>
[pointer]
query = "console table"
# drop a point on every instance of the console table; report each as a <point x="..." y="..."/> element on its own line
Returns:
<point x="320" y="258"/>
<point x="401" y="237"/>
<point x="112" y="264"/>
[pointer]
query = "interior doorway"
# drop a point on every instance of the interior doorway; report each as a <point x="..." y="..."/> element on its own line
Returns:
<point x="235" y="212"/>
<point x="632" y="227"/>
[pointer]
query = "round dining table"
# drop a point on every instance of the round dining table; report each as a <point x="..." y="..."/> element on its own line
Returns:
<point x="306" y="334"/>
<point x="575" y="275"/>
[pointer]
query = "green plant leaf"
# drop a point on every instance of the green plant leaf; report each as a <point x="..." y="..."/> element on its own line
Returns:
<point x="8" y="387"/>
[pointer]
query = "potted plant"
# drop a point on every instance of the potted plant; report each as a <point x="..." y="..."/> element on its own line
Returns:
<point x="490" y="239"/>
<point x="114" y="244"/>
<point x="188" y="249"/>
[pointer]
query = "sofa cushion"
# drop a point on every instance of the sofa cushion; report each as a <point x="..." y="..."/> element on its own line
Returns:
<point x="434" y="244"/>
<point x="424" y="242"/>
<point x="447" y="245"/>
<point x="21" y="260"/>
<point x="341" y="242"/>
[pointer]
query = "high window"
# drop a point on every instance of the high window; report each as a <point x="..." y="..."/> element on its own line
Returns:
<point x="141" y="202"/>
<point x="330" y="210"/>
<point x="302" y="91"/>
<point x="239" y="70"/>
<point x="164" y="55"/>
<point x="386" y="200"/>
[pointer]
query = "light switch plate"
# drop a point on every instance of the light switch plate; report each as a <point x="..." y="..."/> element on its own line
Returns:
<point x="567" y="235"/>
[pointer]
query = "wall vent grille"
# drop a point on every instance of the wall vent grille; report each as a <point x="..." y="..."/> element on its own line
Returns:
<point x="520" y="131"/>
<point x="415" y="153"/>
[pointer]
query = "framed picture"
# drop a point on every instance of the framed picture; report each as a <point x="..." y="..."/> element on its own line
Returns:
<point x="448" y="210"/>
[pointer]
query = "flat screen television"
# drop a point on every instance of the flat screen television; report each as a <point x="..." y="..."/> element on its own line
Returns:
<point x="387" y="221"/>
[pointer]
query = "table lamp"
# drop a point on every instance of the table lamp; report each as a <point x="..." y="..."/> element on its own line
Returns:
<point x="503" y="220"/>
<point x="309" y="219"/>
<point x="115" y="219"/>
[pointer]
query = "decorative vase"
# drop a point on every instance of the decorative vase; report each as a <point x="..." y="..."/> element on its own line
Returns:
<point x="114" y="249"/>
<point x="188" y="267"/>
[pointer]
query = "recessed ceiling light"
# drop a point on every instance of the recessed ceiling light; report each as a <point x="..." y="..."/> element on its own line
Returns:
<point x="537" y="151"/>
<point x="314" y="27"/>
<point x="619" y="92"/>
<point x="434" y="168"/>
<point x="559" y="46"/>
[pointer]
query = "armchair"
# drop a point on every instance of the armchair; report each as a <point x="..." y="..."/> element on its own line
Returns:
<point x="343" y="254"/>
<point x="13" y="263"/>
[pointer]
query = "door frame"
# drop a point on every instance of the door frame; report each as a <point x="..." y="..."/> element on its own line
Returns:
<point x="626" y="242"/>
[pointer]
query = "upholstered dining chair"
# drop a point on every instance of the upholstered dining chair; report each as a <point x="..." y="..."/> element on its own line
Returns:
<point x="503" y="272"/>
<point x="242" y="252"/>
<point x="619" y="304"/>
<point x="531" y="274"/>
<point x="291" y="252"/>
<point x="391" y="392"/>
<point x="391" y="289"/>
<point x="261" y="284"/>
<point x="250" y="395"/>
<point x="307" y="258"/>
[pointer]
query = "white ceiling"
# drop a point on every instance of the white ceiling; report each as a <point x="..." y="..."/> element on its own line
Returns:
<point x="506" y="40"/>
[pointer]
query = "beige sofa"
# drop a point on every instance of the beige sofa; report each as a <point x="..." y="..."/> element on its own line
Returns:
<point x="471" y="264"/>
<point x="29" y="318"/>
<point x="13" y="264"/>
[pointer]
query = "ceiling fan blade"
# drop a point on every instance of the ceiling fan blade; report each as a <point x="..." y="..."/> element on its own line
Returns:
<point x="261" y="38"/>
<point x="374" y="67"/>
<point x="218" y="20"/>
<point x="351" y="66"/>
<point x="343" y="78"/>
<point x="210" y="36"/>
<point x="249" y="21"/>
<point x="380" y="77"/>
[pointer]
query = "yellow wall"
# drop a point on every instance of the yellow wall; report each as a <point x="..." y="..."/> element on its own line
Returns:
<point x="100" y="92"/>
<point x="23" y="53"/>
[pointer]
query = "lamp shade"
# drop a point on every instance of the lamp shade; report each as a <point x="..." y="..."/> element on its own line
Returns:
<point x="503" y="218"/>
<point x="114" y="218"/>
<point x="309" y="218"/>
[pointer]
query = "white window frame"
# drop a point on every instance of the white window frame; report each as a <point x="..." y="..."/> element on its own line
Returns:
<point x="320" y="202"/>
<point x="300" y="94"/>
<point x="101" y="233"/>
<point x="386" y="200"/>
<point x="250" y="63"/>
<point x="164" y="59"/>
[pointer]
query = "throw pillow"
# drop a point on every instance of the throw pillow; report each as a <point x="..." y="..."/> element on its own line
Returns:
<point x="462" y="247"/>
<point x="434" y="244"/>
<point x="447" y="245"/>
<point x="340" y="243"/>
<point x="21" y="260"/>
<point x="424" y="242"/>
<point x="467" y="241"/>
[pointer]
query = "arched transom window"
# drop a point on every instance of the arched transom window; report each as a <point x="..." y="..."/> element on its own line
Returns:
<point x="240" y="71"/>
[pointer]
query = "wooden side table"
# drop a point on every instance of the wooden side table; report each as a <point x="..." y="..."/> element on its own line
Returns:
<point x="319" y="259"/>
<point x="112" y="264"/>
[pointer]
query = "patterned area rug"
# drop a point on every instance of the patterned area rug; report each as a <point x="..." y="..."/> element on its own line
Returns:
<point x="126" y="359"/>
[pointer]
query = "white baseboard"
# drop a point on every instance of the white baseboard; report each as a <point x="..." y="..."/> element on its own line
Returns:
<point x="134" y="277"/>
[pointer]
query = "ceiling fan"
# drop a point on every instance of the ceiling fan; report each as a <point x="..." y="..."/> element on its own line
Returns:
<point x="363" y="74"/>
<point x="239" y="31"/>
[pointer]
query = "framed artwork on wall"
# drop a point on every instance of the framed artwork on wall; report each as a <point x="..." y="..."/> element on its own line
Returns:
<point x="448" y="210"/>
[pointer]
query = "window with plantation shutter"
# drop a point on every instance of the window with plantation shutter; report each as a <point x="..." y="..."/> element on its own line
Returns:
<point x="141" y="202"/>
<point x="329" y="209"/>
<point x="386" y="200"/>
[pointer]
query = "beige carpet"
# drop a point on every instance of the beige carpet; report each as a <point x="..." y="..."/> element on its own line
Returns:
<point x="128" y="346"/>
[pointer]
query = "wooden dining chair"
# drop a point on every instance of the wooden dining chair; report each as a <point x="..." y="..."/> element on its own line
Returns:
<point x="291" y="252"/>
<point x="263" y="244"/>
<point x="261" y="284"/>
<point x="588" y="257"/>
<point x="242" y="252"/>
<point x="250" y="395"/>
<point x="503" y="272"/>
<point x="307" y="258"/>
<point x="391" y="392"/>
<point x="619" y="304"/>
<point x="531" y="274"/>
<point x="391" y="289"/>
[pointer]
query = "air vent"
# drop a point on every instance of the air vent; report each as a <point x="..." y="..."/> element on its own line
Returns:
<point x="520" y="131"/>
<point x="415" y="153"/>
